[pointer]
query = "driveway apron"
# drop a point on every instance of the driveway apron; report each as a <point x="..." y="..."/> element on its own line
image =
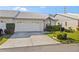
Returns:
<point x="21" y="39"/>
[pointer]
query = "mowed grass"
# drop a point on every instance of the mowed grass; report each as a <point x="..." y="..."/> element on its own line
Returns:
<point x="74" y="36"/>
<point x="4" y="38"/>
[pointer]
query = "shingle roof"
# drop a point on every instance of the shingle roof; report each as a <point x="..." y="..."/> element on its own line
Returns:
<point x="32" y="15"/>
<point x="71" y="15"/>
<point x="9" y="13"/>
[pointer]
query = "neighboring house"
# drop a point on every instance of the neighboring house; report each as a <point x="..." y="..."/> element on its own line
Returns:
<point x="68" y="20"/>
<point x="25" y="21"/>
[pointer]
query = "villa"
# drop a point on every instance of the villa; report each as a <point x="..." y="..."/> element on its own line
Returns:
<point x="68" y="20"/>
<point x="25" y="21"/>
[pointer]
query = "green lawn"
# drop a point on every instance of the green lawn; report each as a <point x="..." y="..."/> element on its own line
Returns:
<point x="4" y="38"/>
<point x="74" y="36"/>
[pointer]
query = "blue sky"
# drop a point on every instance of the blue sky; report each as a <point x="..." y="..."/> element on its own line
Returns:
<point x="43" y="9"/>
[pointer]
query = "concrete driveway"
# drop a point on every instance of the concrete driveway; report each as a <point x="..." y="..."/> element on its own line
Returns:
<point x="21" y="39"/>
<point x="25" y="34"/>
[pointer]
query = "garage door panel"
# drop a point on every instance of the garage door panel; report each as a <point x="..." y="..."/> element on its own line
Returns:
<point x="28" y="27"/>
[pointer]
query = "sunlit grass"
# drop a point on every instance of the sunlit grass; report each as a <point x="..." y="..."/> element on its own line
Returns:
<point x="4" y="39"/>
<point x="74" y="35"/>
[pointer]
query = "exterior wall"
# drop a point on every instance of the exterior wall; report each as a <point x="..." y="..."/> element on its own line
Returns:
<point x="6" y="20"/>
<point x="53" y="23"/>
<point x="70" y="22"/>
<point x="27" y="21"/>
<point x="18" y="21"/>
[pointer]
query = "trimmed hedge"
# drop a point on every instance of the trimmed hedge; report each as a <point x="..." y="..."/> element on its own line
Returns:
<point x="10" y="27"/>
<point x="52" y="28"/>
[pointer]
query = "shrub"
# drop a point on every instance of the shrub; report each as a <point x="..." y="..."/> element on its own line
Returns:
<point x="8" y="31"/>
<point x="48" y="28"/>
<point x="62" y="29"/>
<point x="10" y="27"/>
<point x="62" y="36"/>
<point x="59" y="36"/>
<point x="66" y="30"/>
<point x="77" y="29"/>
<point x="56" y="27"/>
<point x="69" y="30"/>
<point x="52" y="28"/>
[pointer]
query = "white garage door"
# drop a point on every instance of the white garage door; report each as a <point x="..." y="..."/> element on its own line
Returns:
<point x="28" y="27"/>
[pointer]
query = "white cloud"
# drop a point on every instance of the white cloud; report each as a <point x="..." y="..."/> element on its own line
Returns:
<point x="20" y="9"/>
<point x="42" y="6"/>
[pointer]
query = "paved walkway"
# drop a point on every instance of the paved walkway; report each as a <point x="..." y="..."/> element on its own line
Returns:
<point x="31" y="39"/>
